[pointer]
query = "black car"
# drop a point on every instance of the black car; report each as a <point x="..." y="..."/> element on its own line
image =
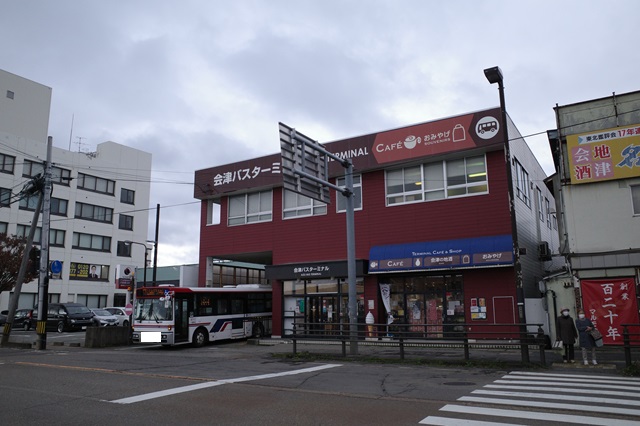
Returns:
<point x="25" y="319"/>
<point x="68" y="316"/>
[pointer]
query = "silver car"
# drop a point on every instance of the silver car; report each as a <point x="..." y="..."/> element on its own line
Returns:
<point x="103" y="318"/>
<point x="123" y="318"/>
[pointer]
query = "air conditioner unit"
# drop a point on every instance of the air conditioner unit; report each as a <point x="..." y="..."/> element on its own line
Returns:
<point x="544" y="253"/>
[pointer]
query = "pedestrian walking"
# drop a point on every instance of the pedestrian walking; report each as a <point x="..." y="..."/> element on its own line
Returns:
<point x="584" y="326"/>
<point x="567" y="333"/>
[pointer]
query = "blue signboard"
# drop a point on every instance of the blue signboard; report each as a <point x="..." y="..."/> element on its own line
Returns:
<point x="449" y="254"/>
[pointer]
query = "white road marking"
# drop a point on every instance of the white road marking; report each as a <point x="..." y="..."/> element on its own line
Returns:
<point x="537" y="415"/>
<point x="445" y="421"/>
<point x="571" y="407"/>
<point x="167" y="392"/>
<point x="559" y="397"/>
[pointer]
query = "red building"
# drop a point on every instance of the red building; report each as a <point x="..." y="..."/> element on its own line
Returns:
<point x="433" y="227"/>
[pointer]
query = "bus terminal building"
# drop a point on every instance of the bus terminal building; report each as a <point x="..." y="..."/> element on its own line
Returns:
<point x="433" y="229"/>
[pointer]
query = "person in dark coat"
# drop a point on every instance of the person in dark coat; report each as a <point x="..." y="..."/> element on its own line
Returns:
<point x="584" y="326"/>
<point x="567" y="333"/>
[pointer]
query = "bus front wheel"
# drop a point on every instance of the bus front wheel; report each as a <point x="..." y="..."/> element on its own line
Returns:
<point x="200" y="338"/>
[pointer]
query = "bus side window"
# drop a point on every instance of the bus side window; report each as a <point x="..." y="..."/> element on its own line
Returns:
<point x="237" y="306"/>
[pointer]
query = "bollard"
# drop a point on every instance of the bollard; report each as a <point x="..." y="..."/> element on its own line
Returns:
<point x="294" y="340"/>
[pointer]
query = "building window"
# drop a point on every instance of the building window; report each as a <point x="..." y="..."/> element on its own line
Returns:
<point x="29" y="202"/>
<point x="95" y="213"/>
<point x="91" y="242"/>
<point x="548" y="206"/>
<point x="635" y="198"/>
<point x="7" y="163"/>
<point x="5" y="197"/>
<point x="127" y="196"/>
<point x="58" y="205"/>
<point x="10" y="94"/>
<point x="436" y="181"/>
<point x="467" y="176"/>
<point x="96" y="184"/>
<point x="124" y="249"/>
<point x="58" y="174"/>
<point x="56" y="236"/>
<point x="296" y="205"/>
<point x="540" y="205"/>
<point x="523" y="184"/>
<point x="341" y="200"/>
<point x="250" y="208"/>
<point x="404" y="185"/>
<point x="92" y="300"/>
<point x="125" y="222"/>
<point x="3" y="227"/>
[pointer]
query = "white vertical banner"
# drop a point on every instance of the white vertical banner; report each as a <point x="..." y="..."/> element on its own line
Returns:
<point x="385" y="292"/>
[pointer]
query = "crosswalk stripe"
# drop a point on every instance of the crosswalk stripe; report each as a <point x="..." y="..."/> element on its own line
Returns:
<point x="593" y="380"/>
<point x="565" y="388"/>
<point x="586" y="385"/>
<point x="571" y="407"/>
<point x="581" y="376"/>
<point x="552" y="417"/>
<point x="561" y="397"/>
<point x="446" y="421"/>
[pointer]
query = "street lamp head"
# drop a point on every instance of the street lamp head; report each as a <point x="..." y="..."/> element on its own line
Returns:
<point x="494" y="75"/>
<point x="127" y="243"/>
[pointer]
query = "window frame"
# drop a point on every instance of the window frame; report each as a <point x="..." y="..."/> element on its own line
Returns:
<point x="4" y="161"/>
<point x="84" y="183"/>
<point x="357" y="194"/>
<point x="634" y="191"/>
<point x="93" y="216"/>
<point x="250" y="217"/>
<point x="437" y="182"/>
<point x="127" y="196"/>
<point x="523" y="184"/>
<point x="5" y="197"/>
<point x="79" y="242"/>
<point x="305" y="206"/>
<point x="128" y="220"/>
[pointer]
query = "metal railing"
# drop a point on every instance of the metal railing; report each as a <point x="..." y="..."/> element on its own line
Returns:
<point x="465" y="336"/>
<point x="631" y="339"/>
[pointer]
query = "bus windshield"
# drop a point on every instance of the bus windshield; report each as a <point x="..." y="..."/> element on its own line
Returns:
<point x="154" y="310"/>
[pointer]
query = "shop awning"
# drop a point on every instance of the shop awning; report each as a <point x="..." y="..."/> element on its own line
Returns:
<point x="450" y="254"/>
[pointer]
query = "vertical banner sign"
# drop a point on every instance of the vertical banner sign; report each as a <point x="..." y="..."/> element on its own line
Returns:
<point x="385" y="292"/>
<point x="609" y="303"/>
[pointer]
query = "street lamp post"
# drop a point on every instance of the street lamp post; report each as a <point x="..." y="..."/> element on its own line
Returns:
<point x="146" y="254"/>
<point x="494" y="75"/>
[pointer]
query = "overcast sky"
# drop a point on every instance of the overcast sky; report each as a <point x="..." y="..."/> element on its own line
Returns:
<point x="204" y="83"/>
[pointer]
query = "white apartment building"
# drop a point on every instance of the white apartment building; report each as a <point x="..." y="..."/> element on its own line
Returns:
<point x="100" y="200"/>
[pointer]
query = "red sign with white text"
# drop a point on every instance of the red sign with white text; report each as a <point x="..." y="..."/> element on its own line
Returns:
<point x="609" y="303"/>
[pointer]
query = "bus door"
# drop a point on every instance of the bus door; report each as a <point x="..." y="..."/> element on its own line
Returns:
<point x="183" y="305"/>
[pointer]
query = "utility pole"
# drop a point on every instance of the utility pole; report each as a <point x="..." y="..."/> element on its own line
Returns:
<point x="155" y="247"/>
<point x="43" y="286"/>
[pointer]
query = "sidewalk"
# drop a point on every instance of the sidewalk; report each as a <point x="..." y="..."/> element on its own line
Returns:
<point x="610" y="358"/>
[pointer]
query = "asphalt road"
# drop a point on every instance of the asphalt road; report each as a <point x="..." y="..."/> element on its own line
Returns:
<point x="240" y="384"/>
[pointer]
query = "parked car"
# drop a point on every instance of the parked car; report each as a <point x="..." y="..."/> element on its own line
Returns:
<point x="67" y="316"/>
<point x="3" y="319"/>
<point x="25" y="319"/>
<point x="103" y="318"/>
<point x="123" y="319"/>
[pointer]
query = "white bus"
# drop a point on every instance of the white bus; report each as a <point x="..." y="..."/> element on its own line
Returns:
<point x="180" y="315"/>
